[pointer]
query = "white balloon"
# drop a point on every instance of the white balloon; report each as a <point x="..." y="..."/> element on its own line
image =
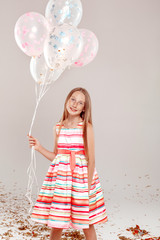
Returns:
<point x="64" y="11"/>
<point x="41" y="73"/>
<point x="31" y="31"/>
<point x="90" y="48"/>
<point x="63" y="46"/>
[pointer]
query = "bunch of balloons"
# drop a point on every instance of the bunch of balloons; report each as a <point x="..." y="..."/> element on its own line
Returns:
<point x="54" y="43"/>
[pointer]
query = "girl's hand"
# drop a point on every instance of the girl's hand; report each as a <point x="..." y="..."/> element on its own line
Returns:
<point x="33" y="142"/>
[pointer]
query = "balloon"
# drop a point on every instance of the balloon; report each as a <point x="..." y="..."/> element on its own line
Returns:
<point x="64" y="11"/>
<point x="40" y="71"/>
<point x="31" y="31"/>
<point x="63" y="46"/>
<point x="90" y="48"/>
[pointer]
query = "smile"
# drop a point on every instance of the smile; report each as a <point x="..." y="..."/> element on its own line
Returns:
<point x="73" y="109"/>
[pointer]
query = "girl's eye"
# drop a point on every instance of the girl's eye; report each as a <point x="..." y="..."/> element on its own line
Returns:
<point x="72" y="99"/>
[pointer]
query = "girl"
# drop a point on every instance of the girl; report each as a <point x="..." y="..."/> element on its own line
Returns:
<point x="71" y="194"/>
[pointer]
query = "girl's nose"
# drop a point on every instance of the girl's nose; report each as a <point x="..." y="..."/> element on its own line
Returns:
<point x="75" y="104"/>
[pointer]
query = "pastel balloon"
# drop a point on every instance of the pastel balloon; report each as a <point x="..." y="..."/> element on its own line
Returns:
<point x="90" y="48"/>
<point x="40" y="71"/>
<point x="63" y="46"/>
<point x="64" y="11"/>
<point x="31" y="31"/>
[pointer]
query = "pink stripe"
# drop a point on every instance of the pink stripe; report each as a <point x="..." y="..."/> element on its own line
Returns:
<point x="71" y="135"/>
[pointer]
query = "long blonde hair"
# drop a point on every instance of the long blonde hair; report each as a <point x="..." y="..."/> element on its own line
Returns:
<point x="86" y="115"/>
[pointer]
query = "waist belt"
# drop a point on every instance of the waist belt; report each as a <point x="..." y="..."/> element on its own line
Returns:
<point x="72" y="156"/>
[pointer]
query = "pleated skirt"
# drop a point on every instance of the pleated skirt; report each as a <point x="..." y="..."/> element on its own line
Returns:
<point x="64" y="200"/>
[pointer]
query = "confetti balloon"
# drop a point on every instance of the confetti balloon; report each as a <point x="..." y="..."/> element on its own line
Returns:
<point x="31" y="31"/>
<point x="64" y="11"/>
<point x="90" y="48"/>
<point x="63" y="46"/>
<point x="40" y="71"/>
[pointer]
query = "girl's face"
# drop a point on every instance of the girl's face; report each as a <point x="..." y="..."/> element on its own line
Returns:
<point x="76" y="103"/>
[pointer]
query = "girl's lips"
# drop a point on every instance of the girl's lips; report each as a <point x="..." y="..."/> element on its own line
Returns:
<point x="73" y="109"/>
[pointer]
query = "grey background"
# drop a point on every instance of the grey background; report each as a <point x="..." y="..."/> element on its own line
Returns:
<point x="123" y="82"/>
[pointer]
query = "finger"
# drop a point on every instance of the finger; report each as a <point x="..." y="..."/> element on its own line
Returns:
<point x="29" y="135"/>
<point x="32" y="142"/>
<point x="32" y="145"/>
<point x="31" y="139"/>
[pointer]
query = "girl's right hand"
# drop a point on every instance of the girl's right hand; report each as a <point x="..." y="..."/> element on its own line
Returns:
<point x="33" y="142"/>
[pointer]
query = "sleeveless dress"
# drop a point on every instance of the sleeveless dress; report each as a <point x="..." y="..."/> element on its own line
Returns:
<point x="64" y="201"/>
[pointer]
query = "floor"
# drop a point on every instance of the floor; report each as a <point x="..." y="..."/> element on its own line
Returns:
<point x="133" y="207"/>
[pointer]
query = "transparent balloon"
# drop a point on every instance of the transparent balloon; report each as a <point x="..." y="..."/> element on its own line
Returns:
<point x="41" y="73"/>
<point x="63" y="46"/>
<point x="31" y="31"/>
<point x="64" y="11"/>
<point x="90" y="48"/>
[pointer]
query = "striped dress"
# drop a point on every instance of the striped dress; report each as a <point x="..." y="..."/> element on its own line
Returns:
<point x="64" y="201"/>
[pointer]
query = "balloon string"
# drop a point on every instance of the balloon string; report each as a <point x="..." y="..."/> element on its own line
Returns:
<point x="31" y="171"/>
<point x="36" y="92"/>
<point x="38" y="98"/>
<point x="33" y="118"/>
<point x="45" y="90"/>
<point x="43" y="86"/>
<point x="31" y="176"/>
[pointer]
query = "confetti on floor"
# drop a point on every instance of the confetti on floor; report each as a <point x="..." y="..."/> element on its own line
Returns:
<point x="132" y="214"/>
<point x="138" y="234"/>
<point x="15" y="220"/>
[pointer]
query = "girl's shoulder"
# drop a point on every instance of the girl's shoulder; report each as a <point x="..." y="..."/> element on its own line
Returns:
<point x="57" y="126"/>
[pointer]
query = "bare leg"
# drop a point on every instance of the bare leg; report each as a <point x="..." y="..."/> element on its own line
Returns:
<point x="55" y="234"/>
<point x="90" y="233"/>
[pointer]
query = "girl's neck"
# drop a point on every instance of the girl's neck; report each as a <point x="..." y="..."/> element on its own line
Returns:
<point x="72" y="121"/>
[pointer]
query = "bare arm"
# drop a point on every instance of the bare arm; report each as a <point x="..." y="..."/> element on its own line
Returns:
<point x="37" y="146"/>
<point x="91" y="154"/>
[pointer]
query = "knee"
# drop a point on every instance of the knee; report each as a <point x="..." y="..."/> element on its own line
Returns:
<point x="87" y="230"/>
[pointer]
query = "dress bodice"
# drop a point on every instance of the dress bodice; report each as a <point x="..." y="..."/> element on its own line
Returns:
<point x="70" y="138"/>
